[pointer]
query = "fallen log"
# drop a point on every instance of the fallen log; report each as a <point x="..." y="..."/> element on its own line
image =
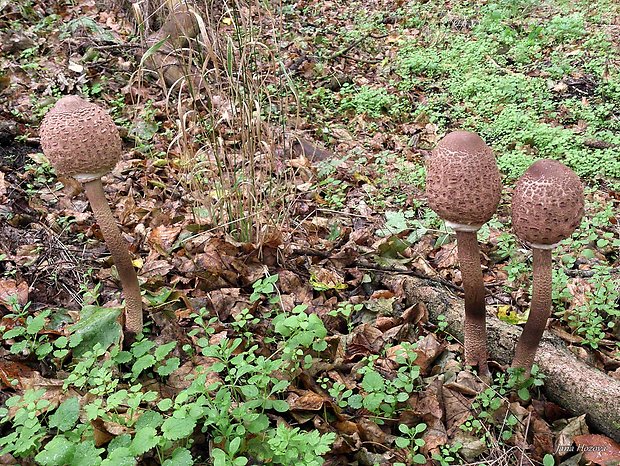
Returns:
<point x="570" y="382"/>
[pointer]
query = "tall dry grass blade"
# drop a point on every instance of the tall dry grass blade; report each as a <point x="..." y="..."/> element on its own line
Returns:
<point x="229" y="103"/>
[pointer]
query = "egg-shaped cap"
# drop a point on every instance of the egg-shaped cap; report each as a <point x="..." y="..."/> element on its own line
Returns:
<point x="463" y="183"/>
<point x="80" y="139"/>
<point x="547" y="204"/>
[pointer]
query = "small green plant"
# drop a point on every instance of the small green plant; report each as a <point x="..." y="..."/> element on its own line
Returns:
<point x="563" y="28"/>
<point x="491" y="406"/>
<point x="338" y="391"/>
<point x="520" y="384"/>
<point x="228" y="401"/>
<point x="442" y="322"/>
<point x="299" y="331"/>
<point x="41" y="174"/>
<point x="410" y="442"/>
<point x="397" y="221"/>
<point x="346" y="311"/>
<point x="244" y="321"/>
<point x="333" y="191"/>
<point x="27" y="430"/>
<point x="28" y="53"/>
<point x="506" y="246"/>
<point x="548" y="460"/>
<point x="383" y="396"/>
<point x="516" y="268"/>
<point x="202" y="330"/>
<point x="367" y="100"/>
<point x="448" y="455"/>
<point x="292" y="446"/>
<point x="599" y="313"/>
<point x="265" y="288"/>
<point x="24" y="334"/>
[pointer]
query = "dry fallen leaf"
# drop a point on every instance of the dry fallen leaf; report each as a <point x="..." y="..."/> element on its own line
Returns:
<point x="599" y="449"/>
<point x="446" y="257"/>
<point x="456" y="407"/>
<point x="428" y="349"/>
<point x="542" y="436"/>
<point x="11" y="373"/>
<point x="155" y="268"/>
<point x="371" y="432"/>
<point x="307" y="401"/>
<point x="365" y="339"/>
<point x="163" y="237"/>
<point x="11" y="292"/>
<point x="576" y="426"/>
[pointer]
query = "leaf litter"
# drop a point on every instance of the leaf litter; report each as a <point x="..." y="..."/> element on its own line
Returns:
<point x="186" y="263"/>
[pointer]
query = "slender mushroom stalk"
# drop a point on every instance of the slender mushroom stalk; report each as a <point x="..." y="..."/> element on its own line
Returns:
<point x="463" y="186"/>
<point x="475" y="308"/>
<point x="81" y="140"/>
<point x="547" y="206"/>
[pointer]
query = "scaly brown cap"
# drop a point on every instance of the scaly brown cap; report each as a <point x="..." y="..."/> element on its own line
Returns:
<point x="547" y="204"/>
<point x="463" y="183"/>
<point x="80" y="139"/>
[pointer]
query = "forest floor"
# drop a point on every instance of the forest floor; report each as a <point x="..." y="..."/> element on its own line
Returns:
<point x="264" y="211"/>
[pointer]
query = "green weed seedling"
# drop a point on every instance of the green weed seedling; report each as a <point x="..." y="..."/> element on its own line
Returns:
<point x="297" y="332"/>
<point x="265" y="288"/>
<point x="243" y="323"/>
<point x="448" y="455"/>
<point x="410" y="442"/>
<point x="490" y="406"/>
<point x="599" y="313"/>
<point x="203" y="327"/>
<point x="27" y="430"/>
<point x="42" y="175"/>
<point x="333" y="191"/>
<point x="25" y="334"/>
<point x="338" y="391"/>
<point x="382" y="396"/>
<point x="346" y="311"/>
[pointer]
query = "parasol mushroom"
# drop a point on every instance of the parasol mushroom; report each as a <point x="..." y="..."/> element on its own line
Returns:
<point x="463" y="186"/>
<point x="81" y="140"/>
<point x="547" y="206"/>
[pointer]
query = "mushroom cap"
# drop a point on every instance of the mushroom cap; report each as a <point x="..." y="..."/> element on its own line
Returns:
<point x="80" y="139"/>
<point x="547" y="204"/>
<point x="463" y="183"/>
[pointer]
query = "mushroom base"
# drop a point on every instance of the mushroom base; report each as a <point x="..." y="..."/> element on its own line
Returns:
<point x="570" y="382"/>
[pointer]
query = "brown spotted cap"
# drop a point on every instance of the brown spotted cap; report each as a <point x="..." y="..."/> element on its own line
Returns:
<point x="80" y="139"/>
<point x="547" y="204"/>
<point x="462" y="180"/>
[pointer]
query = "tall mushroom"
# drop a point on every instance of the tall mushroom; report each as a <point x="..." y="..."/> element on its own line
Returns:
<point x="81" y="140"/>
<point x="547" y="206"/>
<point x="463" y="186"/>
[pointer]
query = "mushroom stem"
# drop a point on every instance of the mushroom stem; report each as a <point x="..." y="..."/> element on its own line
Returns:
<point x="120" y="253"/>
<point x="475" y="309"/>
<point x="540" y="310"/>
